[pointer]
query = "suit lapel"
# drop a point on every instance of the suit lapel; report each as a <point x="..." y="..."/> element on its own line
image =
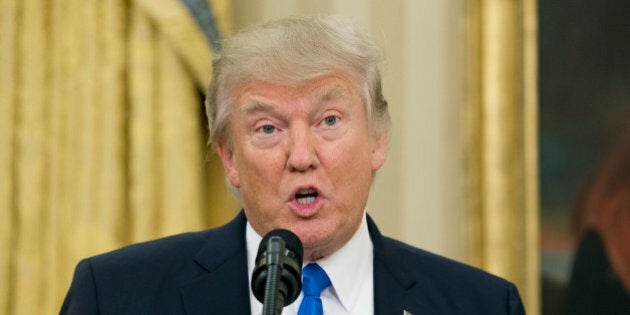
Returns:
<point x="394" y="289"/>
<point x="222" y="286"/>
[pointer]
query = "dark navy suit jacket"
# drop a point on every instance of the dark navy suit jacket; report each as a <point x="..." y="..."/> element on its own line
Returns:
<point x="206" y="273"/>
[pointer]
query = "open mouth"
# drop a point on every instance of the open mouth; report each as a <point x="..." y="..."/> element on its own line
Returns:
<point x="306" y="196"/>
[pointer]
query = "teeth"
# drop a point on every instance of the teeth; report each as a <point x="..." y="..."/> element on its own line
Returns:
<point x="306" y="196"/>
<point x="305" y="200"/>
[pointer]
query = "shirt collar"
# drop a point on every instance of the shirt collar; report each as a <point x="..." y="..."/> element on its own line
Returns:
<point x="346" y="268"/>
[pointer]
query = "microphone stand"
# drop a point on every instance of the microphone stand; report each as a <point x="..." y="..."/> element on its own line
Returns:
<point x="274" y="297"/>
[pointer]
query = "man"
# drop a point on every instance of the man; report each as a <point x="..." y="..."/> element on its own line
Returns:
<point x="298" y="119"/>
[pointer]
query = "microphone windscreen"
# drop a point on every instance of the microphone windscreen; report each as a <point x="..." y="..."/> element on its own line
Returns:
<point x="292" y="243"/>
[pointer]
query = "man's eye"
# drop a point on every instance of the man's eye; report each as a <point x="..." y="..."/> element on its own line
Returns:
<point x="330" y="120"/>
<point x="268" y="129"/>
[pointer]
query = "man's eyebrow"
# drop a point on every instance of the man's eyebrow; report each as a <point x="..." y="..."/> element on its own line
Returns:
<point x="333" y="93"/>
<point x="329" y="94"/>
<point x="257" y="106"/>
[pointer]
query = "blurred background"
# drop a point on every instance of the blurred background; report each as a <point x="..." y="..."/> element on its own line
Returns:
<point x="103" y="133"/>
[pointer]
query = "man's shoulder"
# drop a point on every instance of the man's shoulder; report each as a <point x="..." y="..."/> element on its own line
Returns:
<point x="161" y="249"/>
<point x="444" y="286"/>
<point x="442" y="270"/>
<point x="147" y="266"/>
<point x="147" y="277"/>
<point x="170" y="249"/>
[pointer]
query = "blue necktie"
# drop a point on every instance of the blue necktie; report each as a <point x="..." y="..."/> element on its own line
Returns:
<point x="314" y="281"/>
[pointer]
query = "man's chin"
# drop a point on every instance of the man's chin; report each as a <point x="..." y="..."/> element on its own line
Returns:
<point x="317" y="247"/>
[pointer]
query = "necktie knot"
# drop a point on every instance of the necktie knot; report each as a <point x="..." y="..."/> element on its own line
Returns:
<point x="314" y="280"/>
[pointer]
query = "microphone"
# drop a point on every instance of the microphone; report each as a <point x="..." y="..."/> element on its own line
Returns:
<point x="277" y="277"/>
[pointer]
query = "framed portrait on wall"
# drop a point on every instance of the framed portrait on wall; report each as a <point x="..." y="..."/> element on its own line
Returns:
<point x="584" y="146"/>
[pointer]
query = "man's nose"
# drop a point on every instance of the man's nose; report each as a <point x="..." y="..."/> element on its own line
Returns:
<point x="302" y="151"/>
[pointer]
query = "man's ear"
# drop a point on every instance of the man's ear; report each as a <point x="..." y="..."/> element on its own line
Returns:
<point x="226" y="153"/>
<point x="379" y="148"/>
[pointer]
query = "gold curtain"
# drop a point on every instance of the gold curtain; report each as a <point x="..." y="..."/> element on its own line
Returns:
<point x="501" y="142"/>
<point x="102" y="136"/>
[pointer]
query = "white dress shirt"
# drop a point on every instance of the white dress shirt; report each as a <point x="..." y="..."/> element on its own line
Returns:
<point x="350" y="270"/>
